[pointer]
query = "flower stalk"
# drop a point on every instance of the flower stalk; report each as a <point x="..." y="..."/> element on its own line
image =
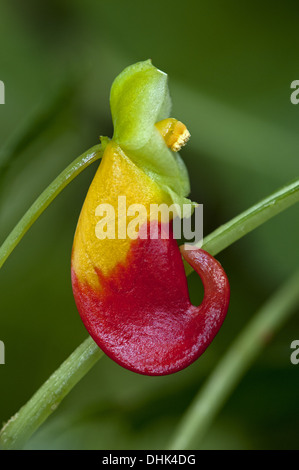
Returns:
<point x="17" y="432"/>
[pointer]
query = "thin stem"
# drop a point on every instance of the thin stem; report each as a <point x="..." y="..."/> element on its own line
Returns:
<point x="250" y="219"/>
<point x="17" y="431"/>
<point x="47" y="196"/>
<point x="234" y="364"/>
<point x="24" y="423"/>
<point x="35" y="124"/>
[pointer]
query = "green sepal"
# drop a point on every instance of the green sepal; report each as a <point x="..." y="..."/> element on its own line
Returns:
<point x="139" y="99"/>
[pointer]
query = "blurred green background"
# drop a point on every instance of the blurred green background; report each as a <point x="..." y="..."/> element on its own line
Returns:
<point x="230" y="66"/>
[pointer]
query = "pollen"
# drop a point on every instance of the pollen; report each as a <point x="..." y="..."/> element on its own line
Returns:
<point x="174" y="133"/>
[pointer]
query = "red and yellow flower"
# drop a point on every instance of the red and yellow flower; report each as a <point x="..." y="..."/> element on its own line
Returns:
<point x="132" y="294"/>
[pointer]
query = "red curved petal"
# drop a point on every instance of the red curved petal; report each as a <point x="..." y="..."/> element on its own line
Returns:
<point x="142" y="316"/>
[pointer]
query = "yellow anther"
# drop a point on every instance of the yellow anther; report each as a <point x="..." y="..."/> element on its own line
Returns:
<point x="174" y="132"/>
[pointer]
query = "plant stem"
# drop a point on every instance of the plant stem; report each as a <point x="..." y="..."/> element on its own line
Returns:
<point x="47" y="196"/>
<point x="234" y="364"/>
<point x="36" y="123"/>
<point x="17" y="431"/>
<point x="250" y="219"/>
<point x="24" y="423"/>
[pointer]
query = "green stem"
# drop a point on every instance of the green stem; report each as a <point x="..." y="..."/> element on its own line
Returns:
<point x="17" y="431"/>
<point x="47" y="196"/>
<point x="252" y="218"/>
<point x="234" y="364"/>
<point x="24" y="423"/>
<point x="35" y="124"/>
